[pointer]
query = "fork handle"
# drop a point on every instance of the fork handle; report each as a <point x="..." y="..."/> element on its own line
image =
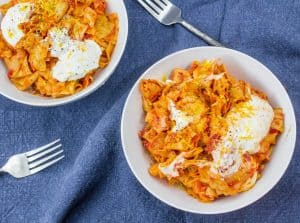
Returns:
<point x="200" y="34"/>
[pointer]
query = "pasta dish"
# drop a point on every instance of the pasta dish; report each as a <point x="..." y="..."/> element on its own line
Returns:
<point x="53" y="48"/>
<point x="206" y="131"/>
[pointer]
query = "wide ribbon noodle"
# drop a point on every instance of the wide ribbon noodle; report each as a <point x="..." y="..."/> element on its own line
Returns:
<point x="29" y="63"/>
<point x="202" y="98"/>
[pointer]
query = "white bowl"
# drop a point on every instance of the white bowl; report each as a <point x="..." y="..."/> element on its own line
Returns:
<point x="8" y="90"/>
<point x="242" y="67"/>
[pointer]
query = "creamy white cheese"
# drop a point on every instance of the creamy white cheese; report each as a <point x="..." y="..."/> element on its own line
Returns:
<point x="75" y="58"/>
<point x="181" y="119"/>
<point x="14" y="16"/>
<point x="172" y="169"/>
<point x="249" y="123"/>
<point x="225" y="163"/>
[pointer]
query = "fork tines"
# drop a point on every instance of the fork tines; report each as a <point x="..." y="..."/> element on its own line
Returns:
<point x="44" y="156"/>
<point x="155" y="7"/>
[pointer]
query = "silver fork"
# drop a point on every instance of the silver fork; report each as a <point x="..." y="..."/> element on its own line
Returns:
<point x="31" y="162"/>
<point x="168" y="14"/>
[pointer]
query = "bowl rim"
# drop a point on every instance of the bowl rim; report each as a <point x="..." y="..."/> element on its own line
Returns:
<point x="122" y="132"/>
<point x="52" y="102"/>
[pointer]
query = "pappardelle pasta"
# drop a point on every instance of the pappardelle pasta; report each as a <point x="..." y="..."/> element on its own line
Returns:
<point x="208" y="132"/>
<point x="53" y="48"/>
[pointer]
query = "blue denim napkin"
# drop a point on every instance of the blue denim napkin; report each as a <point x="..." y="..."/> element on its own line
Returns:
<point x="94" y="183"/>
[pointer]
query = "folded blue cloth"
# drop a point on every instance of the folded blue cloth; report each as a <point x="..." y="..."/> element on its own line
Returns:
<point x="94" y="183"/>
